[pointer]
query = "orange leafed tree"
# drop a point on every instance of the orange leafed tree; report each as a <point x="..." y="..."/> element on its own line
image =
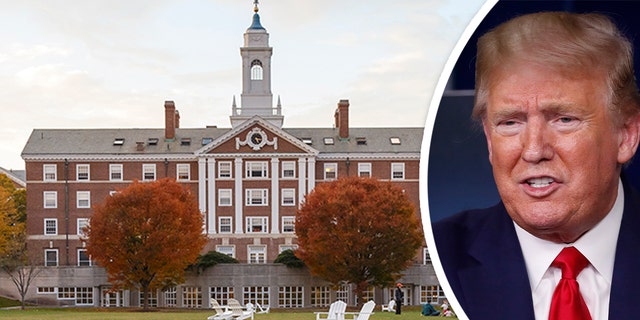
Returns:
<point x="146" y="235"/>
<point x="358" y="230"/>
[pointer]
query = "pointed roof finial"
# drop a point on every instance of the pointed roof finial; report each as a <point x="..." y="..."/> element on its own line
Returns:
<point x="255" y="6"/>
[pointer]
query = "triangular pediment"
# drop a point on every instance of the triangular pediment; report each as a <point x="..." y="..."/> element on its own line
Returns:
<point x="257" y="136"/>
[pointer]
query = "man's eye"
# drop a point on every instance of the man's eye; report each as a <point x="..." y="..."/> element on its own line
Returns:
<point x="566" y="119"/>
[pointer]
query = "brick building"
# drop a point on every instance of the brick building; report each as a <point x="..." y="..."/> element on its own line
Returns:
<point x="249" y="179"/>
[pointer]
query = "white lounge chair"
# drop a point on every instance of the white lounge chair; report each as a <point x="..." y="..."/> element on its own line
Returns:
<point x="391" y="307"/>
<point x="237" y="312"/>
<point x="261" y="309"/>
<point x="365" y="312"/>
<point x="220" y="314"/>
<point x="336" y="311"/>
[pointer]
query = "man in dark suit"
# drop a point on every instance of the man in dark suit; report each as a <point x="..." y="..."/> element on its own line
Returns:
<point x="559" y="105"/>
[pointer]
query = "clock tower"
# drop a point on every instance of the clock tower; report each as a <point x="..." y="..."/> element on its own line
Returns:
<point x="256" y="98"/>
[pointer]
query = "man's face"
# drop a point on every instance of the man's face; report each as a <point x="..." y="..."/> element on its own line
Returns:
<point x="555" y="151"/>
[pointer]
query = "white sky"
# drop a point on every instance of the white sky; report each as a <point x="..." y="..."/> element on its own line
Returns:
<point x="112" y="64"/>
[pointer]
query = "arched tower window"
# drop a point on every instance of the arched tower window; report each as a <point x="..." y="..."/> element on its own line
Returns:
<point x="256" y="70"/>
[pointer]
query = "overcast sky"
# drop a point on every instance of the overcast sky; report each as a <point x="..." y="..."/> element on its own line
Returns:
<point x="112" y="64"/>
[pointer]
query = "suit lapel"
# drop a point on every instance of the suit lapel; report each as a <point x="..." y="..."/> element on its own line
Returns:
<point x="625" y="293"/>
<point x="496" y="273"/>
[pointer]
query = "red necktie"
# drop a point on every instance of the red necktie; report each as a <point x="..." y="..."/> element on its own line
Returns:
<point x="567" y="302"/>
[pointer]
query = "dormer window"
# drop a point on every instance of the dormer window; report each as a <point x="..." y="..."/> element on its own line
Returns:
<point x="256" y="70"/>
<point x="152" y="141"/>
<point x="118" y="141"/>
<point x="361" y="141"/>
<point x="328" y="140"/>
<point x="307" y="141"/>
<point x="185" y="141"/>
<point x="394" y="140"/>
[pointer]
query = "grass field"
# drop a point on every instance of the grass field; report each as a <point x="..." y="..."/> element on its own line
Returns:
<point x="172" y="314"/>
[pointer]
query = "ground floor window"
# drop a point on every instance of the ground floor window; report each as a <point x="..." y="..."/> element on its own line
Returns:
<point x="171" y="297"/>
<point x="221" y="294"/>
<point x="431" y="294"/>
<point x="367" y="295"/>
<point x="82" y="295"/>
<point x="408" y="301"/>
<point x="342" y="293"/>
<point x="259" y="295"/>
<point x="290" y="297"/>
<point x="320" y="296"/>
<point x="191" y="297"/>
<point x="152" y="298"/>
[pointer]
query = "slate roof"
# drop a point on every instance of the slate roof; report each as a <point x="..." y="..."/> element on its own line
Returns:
<point x="77" y="142"/>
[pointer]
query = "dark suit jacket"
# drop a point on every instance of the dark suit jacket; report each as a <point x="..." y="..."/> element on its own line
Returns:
<point x="483" y="262"/>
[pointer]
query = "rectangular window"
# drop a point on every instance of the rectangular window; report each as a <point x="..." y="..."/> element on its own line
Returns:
<point x="228" y="250"/>
<point x="427" y="256"/>
<point x="431" y="294"/>
<point x="152" y="298"/>
<point x="288" y="197"/>
<point x="82" y="172"/>
<point x="184" y="171"/>
<point x="84" y="296"/>
<point x="51" y="257"/>
<point x="257" y="197"/>
<point x="148" y="172"/>
<point x="342" y="293"/>
<point x="320" y="296"/>
<point x="288" y="169"/>
<point x="397" y="171"/>
<point x="221" y="294"/>
<point x="83" y="199"/>
<point x="257" y="169"/>
<point x="224" y="197"/>
<point x="224" y="169"/>
<point x="50" y="227"/>
<point x="115" y="172"/>
<point x="256" y="295"/>
<point x="256" y="254"/>
<point x="330" y="171"/>
<point x="50" y="199"/>
<point x="191" y="297"/>
<point x="224" y="224"/>
<point x="288" y="224"/>
<point x="49" y="172"/>
<point x="257" y="224"/>
<point x="364" y="170"/>
<point x="82" y="223"/>
<point x="171" y="297"/>
<point x="83" y="258"/>
<point x="66" y="293"/>
<point x="47" y="290"/>
<point x="290" y="297"/>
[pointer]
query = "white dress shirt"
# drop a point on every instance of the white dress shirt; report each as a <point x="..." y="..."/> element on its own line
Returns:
<point x="598" y="245"/>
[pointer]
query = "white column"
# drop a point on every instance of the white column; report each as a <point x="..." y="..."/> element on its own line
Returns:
<point x="202" y="191"/>
<point x="275" y="196"/>
<point x="302" y="178"/>
<point x="212" y="196"/>
<point x="239" y="195"/>
<point x="311" y="178"/>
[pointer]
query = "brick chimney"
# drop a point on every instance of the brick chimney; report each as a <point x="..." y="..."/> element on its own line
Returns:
<point x="169" y="120"/>
<point x="342" y="119"/>
<point x="177" y="120"/>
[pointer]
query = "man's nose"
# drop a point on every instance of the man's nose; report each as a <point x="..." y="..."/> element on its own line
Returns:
<point x="536" y="142"/>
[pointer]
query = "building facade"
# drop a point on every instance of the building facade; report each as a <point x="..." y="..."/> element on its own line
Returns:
<point x="249" y="180"/>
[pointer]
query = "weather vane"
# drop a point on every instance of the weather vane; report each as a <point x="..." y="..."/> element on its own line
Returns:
<point x="255" y="6"/>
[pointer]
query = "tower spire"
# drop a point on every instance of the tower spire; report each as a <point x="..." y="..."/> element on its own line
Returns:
<point x="255" y="6"/>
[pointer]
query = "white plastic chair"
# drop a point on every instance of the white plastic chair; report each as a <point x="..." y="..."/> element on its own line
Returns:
<point x="365" y="312"/>
<point x="336" y="311"/>
<point x="391" y="307"/>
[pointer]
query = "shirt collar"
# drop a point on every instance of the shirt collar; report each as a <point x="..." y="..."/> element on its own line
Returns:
<point x="598" y="245"/>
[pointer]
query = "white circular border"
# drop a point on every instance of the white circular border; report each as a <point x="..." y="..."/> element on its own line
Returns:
<point x="426" y="145"/>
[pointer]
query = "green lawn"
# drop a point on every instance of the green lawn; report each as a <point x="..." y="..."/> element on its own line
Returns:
<point x="134" y="314"/>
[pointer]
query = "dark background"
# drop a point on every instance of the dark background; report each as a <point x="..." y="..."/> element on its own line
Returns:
<point x="459" y="173"/>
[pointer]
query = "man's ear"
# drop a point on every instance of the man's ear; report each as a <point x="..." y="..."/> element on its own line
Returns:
<point x="629" y="139"/>
<point x="487" y="134"/>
